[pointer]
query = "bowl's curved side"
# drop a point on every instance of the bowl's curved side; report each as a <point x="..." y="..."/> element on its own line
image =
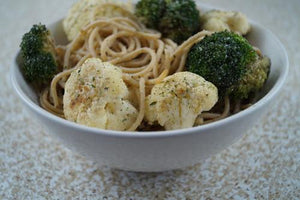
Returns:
<point x="150" y="154"/>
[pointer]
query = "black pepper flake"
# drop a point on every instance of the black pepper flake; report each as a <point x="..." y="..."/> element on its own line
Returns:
<point x="153" y="103"/>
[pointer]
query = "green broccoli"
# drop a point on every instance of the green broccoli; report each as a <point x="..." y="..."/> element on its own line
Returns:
<point x="253" y="80"/>
<point x="175" y="19"/>
<point x="38" y="53"/>
<point x="150" y="12"/>
<point x="221" y="58"/>
<point x="180" y="20"/>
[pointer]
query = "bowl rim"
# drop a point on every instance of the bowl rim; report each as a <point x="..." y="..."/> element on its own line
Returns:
<point x="157" y="134"/>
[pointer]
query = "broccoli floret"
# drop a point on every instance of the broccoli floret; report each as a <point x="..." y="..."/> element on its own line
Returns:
<point x="221" y="58"/>
<point x="175" y="19"/>
<point x="38" y="53"/>
<point x="253" y="80"/>
<point x="149" y="12"/>
<point x="180" y="20"/>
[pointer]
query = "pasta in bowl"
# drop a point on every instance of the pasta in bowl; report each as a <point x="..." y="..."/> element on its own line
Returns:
<point x="153" y="148"/>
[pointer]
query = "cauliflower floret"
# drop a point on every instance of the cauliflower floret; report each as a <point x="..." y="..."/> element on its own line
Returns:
<point x="217" y="21"/>
<point x="179" y="99"/>
<point x="96" y="96"/>
<point x="84" y="11"/>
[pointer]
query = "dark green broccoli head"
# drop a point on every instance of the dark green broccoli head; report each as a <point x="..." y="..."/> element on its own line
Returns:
<point x="38" y="52"/>
<point x="253" y="80"/>
<point x="180" y="20"/>
<point x="221" y="58"/>
<point x="39" y="68"/>
<point x="175" y="19"/>
<point x="149" y="12"/>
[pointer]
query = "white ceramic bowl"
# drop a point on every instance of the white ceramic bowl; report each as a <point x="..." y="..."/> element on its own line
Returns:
<point x="162" y="150"/>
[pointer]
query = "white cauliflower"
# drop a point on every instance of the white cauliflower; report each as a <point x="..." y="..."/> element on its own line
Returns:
<point x="179" y="99"/>
<point x="217" y="20"/>
<point x="96" y="96"/>
<point x="82" y="12"/>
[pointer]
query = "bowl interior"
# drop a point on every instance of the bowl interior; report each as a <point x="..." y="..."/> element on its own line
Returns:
<point x="259" y="37"/>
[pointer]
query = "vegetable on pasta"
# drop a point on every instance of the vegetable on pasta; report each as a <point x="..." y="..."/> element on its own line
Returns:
<point x="176" y="102"/>
<point x="230" y="62"/>
<point x="39" y="55"/>
<point x="175" y="19"/>
<point x="95" y="95"/>
<point x="217" y="20"/>
<point x="85" y="11"/>
<point x="221" y="58"/>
